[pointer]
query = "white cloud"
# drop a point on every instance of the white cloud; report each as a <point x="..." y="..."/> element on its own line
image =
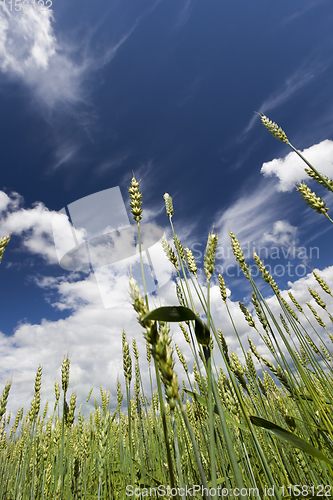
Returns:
<point x="92" y="335"/>
<point x="9" y="203"/>
<point x="251" y="218"/>
<point x="92" y="338"/>
<point x="34" y="225"/>
<point x="29" y="51"/>
<point x="283" y="233"/>
<point x="290" y="169"/>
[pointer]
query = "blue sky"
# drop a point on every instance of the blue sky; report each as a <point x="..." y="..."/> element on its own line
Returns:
<point x="91" y="91"/>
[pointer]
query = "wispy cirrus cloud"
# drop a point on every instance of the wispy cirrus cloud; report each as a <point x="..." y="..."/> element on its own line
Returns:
<point x="30" y="52"/>
<point x="184" y="14"/>
<point x="250" y="218"/>
<point x="300" y="78"/>
<point x="303" y="10"/>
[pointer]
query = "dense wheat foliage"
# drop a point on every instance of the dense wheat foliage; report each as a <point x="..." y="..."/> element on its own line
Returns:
<point x="261" y="427"/>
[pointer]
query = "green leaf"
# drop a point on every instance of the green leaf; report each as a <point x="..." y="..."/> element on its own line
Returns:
<point x="176" y="314"/>
<point x="171" y="314"/>
<point x="290" y="438"/>
<point x="202" y="332"/>
<point x="202" y="401"/>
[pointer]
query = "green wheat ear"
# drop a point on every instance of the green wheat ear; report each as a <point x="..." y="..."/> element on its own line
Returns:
<point x="3" y="243"/>
<point x="311" y="199"/>
<point x="274" y="129"/>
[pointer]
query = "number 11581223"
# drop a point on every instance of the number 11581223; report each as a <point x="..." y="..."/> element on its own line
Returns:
<point x="25" y="5"/>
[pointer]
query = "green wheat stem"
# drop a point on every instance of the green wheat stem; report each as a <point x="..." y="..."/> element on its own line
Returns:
<point x="141" y="262"/>
<point x="311" y="166"/>
<point x="165" y="428"/>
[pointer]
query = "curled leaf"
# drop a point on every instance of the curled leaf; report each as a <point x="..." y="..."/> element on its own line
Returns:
<point x="177" y="314"/>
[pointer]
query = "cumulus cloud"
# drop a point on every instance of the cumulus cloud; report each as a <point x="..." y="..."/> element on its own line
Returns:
<point x="91" y="335"/>
<point x="92" y="339"/>
<point x="283" y="233"/>
<point x="34" y="225"/>
<point x="290" y="169"/>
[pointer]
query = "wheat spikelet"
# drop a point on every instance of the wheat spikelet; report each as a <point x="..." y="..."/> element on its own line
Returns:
<point x="317" y="298"/>
<point x="274" y="129"/>
<point x="65" y="374"/>
<point x="191" y="261"/>
<point x="284" y="324"/>
<point x="89" y="394"/>
<point x="316" y="315"/>
<point x="137" y="382"/>
<point x="135" y="199"/>
<point x="316" y="177"/>
<point x="325" y="352"/>
<point x="322" y="283"/>
<point x="290" y="310"/>
<point x="259" y="312"/>
<point x="169" y="253"/>
<point x="148" y="352"/>
<point x="71" y="410"/>
<point x="35" y="405"/>
<point x="253" y="348"/>
<point x="3" y="243"/>
<point x="294" y="301"/>
<point x="248" y="315"/>
<point x="119" y="394"/>
<point x="311" y="199"/>
<point x="223" y="343"/>
<point x="239" y="255"/>
<point x="168" y="204"/>
<point x="277" y="371"/>
<point x="237" y="368"/>
<point x="223" y="289"/>
<point x="135" y="350"/>
<point x="209" y="257"/>
<point x="269" y="344"/>
<point x="180" y="296"/>
<point x="4" y="398"/>
<point x="179" y="247"/>
<point x="181" y="358"/>
<point x="250" y="365"/>
<point x="127" y="362"/>
<point x="162" y="353"/>
<point x="265" y="274"/>
<point x="185" y="333"/>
